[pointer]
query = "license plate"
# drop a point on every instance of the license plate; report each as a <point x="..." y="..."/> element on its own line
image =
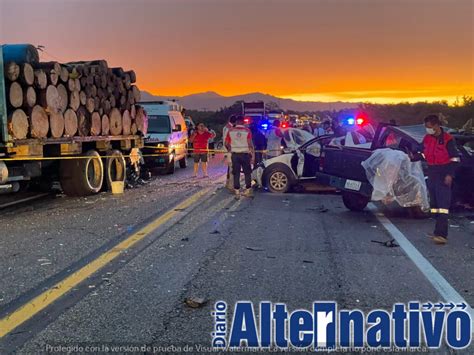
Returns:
<point x="353" y="185"/>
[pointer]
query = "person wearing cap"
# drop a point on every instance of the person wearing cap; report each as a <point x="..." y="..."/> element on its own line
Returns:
<point x="239" y="142"/>
<point x="441" y="154"/>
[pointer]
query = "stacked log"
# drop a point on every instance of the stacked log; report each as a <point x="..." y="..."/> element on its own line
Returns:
<point x="54" y="100"/>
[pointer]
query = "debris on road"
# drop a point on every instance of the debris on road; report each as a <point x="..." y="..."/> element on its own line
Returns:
<point x="253" y="249"/>
<point x="308" y="262"/>
<point x="389" y="243"/>
<point x="195" y="302"/>
<point x="320" y="209"/>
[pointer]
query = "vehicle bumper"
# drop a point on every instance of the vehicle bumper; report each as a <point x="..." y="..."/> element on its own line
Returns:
<point x="340" y="183"/>
<point x="159" y="158"/>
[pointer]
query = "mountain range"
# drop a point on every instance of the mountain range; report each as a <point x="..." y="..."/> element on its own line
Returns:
<point x="212" y="101"/>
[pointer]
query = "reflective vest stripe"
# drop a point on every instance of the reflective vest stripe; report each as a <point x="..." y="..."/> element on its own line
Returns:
<point x="439" y="210"/>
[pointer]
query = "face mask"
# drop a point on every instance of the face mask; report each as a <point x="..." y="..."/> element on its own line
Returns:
<point x="430" y="130"/>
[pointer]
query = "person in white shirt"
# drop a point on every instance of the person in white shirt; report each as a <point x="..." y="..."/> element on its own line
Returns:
<point x="227" y="156"/>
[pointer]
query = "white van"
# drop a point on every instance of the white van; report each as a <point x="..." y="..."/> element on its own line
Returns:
<point x="167" y="135"/>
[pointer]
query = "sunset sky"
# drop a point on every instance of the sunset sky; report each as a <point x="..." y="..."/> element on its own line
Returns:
<point x="349" y="50"/>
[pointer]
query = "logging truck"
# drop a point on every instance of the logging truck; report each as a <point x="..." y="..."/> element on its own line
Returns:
<point x="76" y="123"/>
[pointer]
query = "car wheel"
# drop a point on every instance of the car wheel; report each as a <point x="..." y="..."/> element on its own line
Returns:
<point x="278" y="180"/>
<point x="354" y="201"/>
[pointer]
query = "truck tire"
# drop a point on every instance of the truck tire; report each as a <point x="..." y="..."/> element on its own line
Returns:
<point x="82" y="177"/>
<point x="115" y="168"/>
<point x="354" y="201"/>
<point x="183" y="163"/>
<point x="278" y="180"/>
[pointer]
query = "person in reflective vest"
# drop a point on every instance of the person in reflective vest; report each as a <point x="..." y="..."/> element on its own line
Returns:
<point x="239" y="142"/>
<point x="441" y="155"/>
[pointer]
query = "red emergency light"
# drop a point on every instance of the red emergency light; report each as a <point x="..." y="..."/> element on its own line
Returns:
<point x="360" y="121"/>
<point x="284" y="125"/>
<point x="247" y="120"/>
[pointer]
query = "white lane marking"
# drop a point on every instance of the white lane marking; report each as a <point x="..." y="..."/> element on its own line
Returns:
<point x="434" y="277"/>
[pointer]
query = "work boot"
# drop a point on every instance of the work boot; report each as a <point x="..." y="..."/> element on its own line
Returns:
<point x="237" y="194"/>
<point x="439" y="240"/>
<point x="248" y="193"/>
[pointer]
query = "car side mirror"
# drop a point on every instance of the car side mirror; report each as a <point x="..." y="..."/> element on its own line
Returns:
<point x="177" y="128"/>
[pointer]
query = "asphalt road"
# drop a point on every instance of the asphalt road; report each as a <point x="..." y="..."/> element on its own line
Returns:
<point x="292" y="248"/>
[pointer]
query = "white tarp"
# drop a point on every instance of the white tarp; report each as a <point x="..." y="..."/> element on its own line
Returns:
<point x="395" y="178"/>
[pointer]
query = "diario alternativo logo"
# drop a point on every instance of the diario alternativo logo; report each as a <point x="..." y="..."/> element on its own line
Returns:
<point x="325" y="327"/>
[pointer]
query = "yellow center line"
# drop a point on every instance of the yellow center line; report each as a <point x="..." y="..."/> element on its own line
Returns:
<point x="40" y="302"/>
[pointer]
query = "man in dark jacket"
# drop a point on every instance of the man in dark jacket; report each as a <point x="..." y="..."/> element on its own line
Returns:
<point x="441" y="154"/>
<point x="259" y="143"/>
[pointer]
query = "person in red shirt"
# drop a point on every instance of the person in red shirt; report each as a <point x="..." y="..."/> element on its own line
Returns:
<point x="200" y="140"/>
<point x="441" y="155"/>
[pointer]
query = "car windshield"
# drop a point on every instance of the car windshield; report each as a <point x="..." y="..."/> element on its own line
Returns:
<point x="159" y="124"/>
<point x="301" y="136"/>
<point x="296" y="136"/>
<point x="417" y="132"/>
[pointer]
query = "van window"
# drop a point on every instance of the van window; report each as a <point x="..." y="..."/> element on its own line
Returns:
<point x="159" y="124"/>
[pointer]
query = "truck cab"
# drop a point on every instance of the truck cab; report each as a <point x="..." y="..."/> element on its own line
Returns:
<point x="167" y="136"/>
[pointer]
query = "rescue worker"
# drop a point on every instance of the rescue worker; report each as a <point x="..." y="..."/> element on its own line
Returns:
<point x="200" y="140"/>
<point x="239" y="142"/>
<point x="441" y="154"/>
<point x="227" y="156"/>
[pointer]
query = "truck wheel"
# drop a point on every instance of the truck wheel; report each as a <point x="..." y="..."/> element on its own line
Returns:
<point x="278" y="180"/>
<point x="82" y="177"/>
<point x="171" y="167"/>
<point x="354" y="201"/>
<point x="115" y="168"/>
<point x="183" y="163"/>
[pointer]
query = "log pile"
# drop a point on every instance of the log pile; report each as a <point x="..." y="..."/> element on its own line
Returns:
<point x="53" y="100"/>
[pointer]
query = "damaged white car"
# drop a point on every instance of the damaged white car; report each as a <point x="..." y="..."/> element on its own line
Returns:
<point x="299" y="161"/>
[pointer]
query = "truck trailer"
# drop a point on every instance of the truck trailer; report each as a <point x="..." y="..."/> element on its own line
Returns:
<point x="77" y="123"/>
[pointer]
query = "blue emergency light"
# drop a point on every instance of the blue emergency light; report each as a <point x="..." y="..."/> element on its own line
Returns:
<point x="350" y="121"/>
